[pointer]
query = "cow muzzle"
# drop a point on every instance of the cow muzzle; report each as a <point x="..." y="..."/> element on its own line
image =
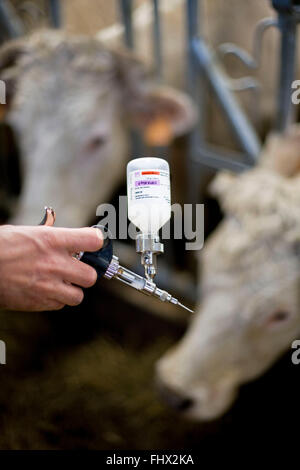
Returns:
<point x="173" y="398"/>
<point x="201" y="402"/>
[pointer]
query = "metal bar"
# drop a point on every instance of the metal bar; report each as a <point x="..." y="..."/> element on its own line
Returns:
<point x="195" y="87"/>
<point x="195" y="83"/>
<point x="157" y="40"/>
<point x="137" y="144"/>
<point x="55" y="13"/>
<point x="193" y="18"/>
<point x="220" y="159"/>
<point x="285" y="109"/>
<point x="9" y="21"/>
<point x="239" y="123"/>
<point x="251" y="61"/>
<point x="126" y="15"/>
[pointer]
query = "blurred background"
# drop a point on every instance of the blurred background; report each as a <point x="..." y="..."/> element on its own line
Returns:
<point x="83" y="378"/>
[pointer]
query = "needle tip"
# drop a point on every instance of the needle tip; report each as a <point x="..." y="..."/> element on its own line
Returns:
<point x="186" y="308"/>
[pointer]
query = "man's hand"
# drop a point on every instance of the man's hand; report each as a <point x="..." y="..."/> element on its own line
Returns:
<point x="37" y="270"/>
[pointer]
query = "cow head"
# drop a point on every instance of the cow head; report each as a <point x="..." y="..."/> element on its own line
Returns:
<point x="250" y="305"/>
<point x="70" y="102"/>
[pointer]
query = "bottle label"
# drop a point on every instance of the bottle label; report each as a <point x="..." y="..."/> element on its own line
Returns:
<point x="149" y="184"/>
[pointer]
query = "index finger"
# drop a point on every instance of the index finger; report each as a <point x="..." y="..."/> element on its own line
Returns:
<point x="80" y="239"/>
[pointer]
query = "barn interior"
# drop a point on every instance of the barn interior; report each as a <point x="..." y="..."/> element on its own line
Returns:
<point x="85" y="377"/>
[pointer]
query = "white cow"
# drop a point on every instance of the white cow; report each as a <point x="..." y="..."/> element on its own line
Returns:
<point x="70" y="103"/>
<point x="249" y="312"/>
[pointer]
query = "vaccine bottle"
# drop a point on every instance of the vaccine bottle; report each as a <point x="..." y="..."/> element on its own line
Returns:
<point x="149" y="206"/>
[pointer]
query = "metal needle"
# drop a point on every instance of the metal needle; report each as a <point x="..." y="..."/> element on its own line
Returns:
<point x="186" y="308"/>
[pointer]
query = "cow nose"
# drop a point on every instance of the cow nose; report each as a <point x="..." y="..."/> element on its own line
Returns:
<point x="173" y="398"/>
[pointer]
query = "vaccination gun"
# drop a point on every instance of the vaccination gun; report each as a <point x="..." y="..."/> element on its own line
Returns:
<point x="148" y="208"/>
<point x="107" y="265"/>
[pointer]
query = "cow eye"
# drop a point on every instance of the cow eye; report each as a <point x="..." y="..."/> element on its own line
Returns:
<point x="278" y="317"/>
<point x="96" y="143"/>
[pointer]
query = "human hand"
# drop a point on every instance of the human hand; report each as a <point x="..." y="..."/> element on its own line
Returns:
<point x="37" y="269"/>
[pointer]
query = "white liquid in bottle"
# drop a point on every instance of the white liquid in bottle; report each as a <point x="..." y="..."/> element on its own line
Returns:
<point x="148" y="193"/>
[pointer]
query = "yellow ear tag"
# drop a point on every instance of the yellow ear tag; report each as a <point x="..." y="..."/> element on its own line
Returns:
<point x="158" y="133"/>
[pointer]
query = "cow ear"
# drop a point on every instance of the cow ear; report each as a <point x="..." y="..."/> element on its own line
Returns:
<point x="9" y="72"/>
<point x="10" y="52"/>
<point x="162" y="114"/>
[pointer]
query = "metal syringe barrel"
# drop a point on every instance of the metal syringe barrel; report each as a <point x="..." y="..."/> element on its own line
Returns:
<point x="107" y="265"/>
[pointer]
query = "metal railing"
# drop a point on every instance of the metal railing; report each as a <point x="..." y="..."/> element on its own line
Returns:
<point x="204" y="70"/>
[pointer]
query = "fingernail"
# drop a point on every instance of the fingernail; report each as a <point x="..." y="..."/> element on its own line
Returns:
<point x="99" y="233"/>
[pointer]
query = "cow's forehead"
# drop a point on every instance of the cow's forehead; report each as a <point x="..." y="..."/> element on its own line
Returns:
<point x="74" y="101"/>
<point x="252" y="293"/>
<point x="81" y="50"/>
<point x="245" y="242"/>
<point x="235" y="258"/>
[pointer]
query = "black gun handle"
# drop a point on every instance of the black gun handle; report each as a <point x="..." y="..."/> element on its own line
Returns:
<point x="101" y="259"/>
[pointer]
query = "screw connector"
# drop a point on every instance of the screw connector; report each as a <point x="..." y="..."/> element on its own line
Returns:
<point x="149" y="246"/>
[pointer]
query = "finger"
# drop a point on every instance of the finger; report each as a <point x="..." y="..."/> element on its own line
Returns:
<point x="47" y="306"/>
<point x="79" y="273"/>
<point x="68" y="294"/>
<point x="54" y="305"/>
<point x="79" y="239"/>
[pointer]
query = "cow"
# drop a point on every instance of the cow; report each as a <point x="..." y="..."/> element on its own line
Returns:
<point x="249" y="313"/>
<point x="70" y="103"/>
